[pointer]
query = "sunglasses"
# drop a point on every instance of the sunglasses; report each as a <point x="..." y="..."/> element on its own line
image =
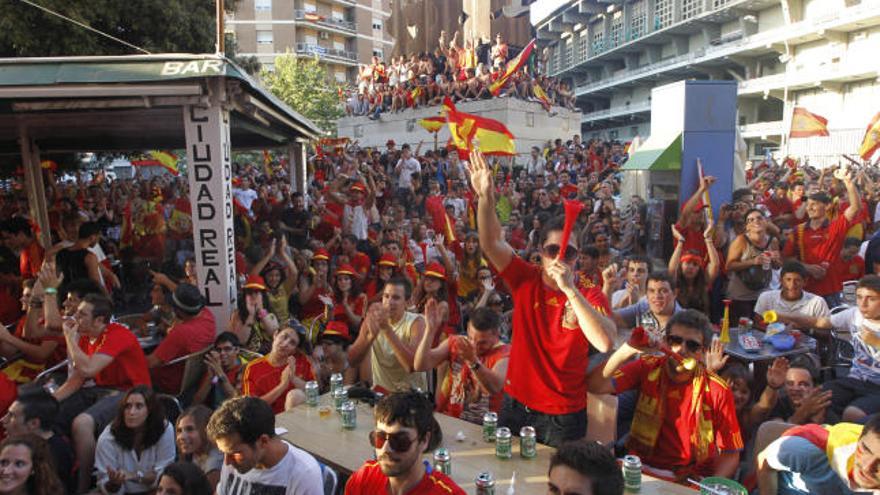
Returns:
<point x="552" y="251"/>
<point x="399" y="442"/>
<point x="692" y="345"/>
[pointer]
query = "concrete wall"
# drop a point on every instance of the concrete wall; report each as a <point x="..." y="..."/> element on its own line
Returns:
<point x="527" y="121"/>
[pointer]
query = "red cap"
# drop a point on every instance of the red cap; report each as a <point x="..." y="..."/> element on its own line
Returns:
<point x="390" y="142"/>
<point x="255" y="282"/>
<point x="336" y="329"/>
<point x="321" y="254"/>
<point x="387" y="260"/>
<point x="345" y="270"/>
<point x="435" y="270"/>
<point x="357" y="186"/>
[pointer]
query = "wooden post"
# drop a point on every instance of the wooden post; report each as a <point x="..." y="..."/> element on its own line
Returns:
<point x="33" y="181"/>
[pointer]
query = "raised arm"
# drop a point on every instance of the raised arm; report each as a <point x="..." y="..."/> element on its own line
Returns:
<point x="714" y="266"/>
<point x="428" y="358"/>
<point x="492" y="242"/>
<point x="675" y="259"/>
<point x="852" y="194"/>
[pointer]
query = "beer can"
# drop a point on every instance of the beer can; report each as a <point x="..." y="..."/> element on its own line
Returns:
<point x="502" y="443"/>
<point x="340" y="395"/>
<point x="443" y="461"/>
<point x="490" y="422"/>
<point x="335" y="382"/>
<point x="528" y="443"/>
<point x="632" y="473"/>
<point x="485" y="483"/>
<point x="349" y="415"/>
<point x="312" y="393"/>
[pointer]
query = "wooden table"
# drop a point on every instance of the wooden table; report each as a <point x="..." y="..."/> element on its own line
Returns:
<point x="347" y="450"/>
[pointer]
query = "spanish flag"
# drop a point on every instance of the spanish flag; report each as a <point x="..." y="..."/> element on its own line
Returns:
<point x="313" y="17"/>
<point x="871" y="141"/>
<point x="164" y="159"/>
<point x="433" y="124"/>
<point x="49" y="165"/>
<point x="493" y="136"/>
<point x="267" y="163"/>
<point x="542" y="96"/>
<point x="806" y="124"/>
<point x="513" y="65"/>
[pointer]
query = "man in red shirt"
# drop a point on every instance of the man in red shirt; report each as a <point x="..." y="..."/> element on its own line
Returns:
<point x="477" y="364"/>
<point x="107" y="353"/>
<point x="817" y="242"/>
<point x="685" y="420"/>
<point x="555" y="320"/>
<point x="19" y="236"/>
<point x="850" y="266"/>
<point x="780" y="207"/>
<point x="193" y="330"/>
<point x="405" y="429"/>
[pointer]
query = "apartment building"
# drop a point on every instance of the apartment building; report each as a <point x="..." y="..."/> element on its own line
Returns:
<point x="341" y="33"/>
<point x="817" y="54"/>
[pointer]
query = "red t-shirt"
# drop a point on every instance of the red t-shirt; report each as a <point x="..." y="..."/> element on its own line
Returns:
<point x="845" y="271"/>
<point x="673" y="448"/>
<point x="779" y="206"/>
<point x="693" y="240"/>
<point x="183" y="338"/>
<point x="260" y="377"/>
<point x="361" y="264"/>
<point x="370" y="480"/>
<point x="129" y="365"/>
<point x="816" y="246"/>
<point x="547" y="362"/>
<point x="461" y="389"/>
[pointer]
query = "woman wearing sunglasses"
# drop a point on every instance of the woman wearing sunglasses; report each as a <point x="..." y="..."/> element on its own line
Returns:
<point x="557" y="320"/>
<point x="405" y="429"/>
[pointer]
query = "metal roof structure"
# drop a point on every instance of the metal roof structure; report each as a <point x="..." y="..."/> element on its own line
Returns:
<point x="129" y="103"/>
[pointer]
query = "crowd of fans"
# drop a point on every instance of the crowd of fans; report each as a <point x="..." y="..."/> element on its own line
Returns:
<point x="461" y="72"/>
<point x="402" y="271"/>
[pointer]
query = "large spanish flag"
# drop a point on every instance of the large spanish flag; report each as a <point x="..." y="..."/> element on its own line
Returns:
<point x="871" y="141"/>
<point x="806" y="124"/>
<point x="513" y="65"/>
<point x="433" y="124"/>
<point x="492" y="136"/>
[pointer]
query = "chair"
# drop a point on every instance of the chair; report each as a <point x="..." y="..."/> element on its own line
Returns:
<point x="193" y="370"/>
<point x="172" y="407"/>
<point x="50" y="371"/>
<point x="330" y="479"/>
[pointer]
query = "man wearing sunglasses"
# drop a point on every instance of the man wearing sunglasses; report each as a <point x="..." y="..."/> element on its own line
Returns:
<point x="556" y="320"/>
<point x="405" y="429"/>
<point x="685" y="420"/>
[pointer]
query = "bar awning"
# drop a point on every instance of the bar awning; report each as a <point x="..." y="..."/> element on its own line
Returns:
<point x="656" y="155"/>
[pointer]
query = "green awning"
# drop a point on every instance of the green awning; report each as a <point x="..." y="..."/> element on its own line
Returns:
<point x="652" y="157"/>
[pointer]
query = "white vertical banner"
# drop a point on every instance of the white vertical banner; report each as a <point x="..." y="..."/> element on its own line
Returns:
<point x="210" y="183"/>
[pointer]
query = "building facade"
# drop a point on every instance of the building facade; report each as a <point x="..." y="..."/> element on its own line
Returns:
<point x="816" y="54"/>
<point x="341" y="33"/>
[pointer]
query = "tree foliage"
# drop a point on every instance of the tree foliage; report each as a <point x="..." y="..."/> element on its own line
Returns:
<point x="158" y="26"/>
<point x="304" y="85"/>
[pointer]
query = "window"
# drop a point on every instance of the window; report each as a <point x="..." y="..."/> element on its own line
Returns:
<point x="264" y="37"/>
<point x="311" y="39"/>
<point x="691" y="8"/>
<point x="377" y="24"/>
<point x="263" y="5"/>
<point x="616" y="34"/>
<point x="338" y="45"/>
<point x="598" y="45"/>
<point x="662" y="14"/>
<point x="637" y="22"/>
<point x="309" y="7"/>
<point x="340" y="77"/>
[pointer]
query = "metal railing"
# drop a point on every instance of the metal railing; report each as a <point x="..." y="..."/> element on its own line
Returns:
<point x="324" y="52"/>
<point x="321" y="20"/>
<point x="616" y="111"/>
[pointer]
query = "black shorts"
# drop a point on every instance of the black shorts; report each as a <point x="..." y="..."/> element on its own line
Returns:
<point x="100" y="403"/>
<point x="853" y="392"/>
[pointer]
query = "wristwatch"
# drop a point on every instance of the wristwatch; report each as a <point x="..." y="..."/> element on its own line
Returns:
<point x="474" y="366"/>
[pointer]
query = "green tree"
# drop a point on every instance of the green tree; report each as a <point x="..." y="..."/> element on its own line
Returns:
<point x="158" y="26"/>
<point x="303" y="84"/>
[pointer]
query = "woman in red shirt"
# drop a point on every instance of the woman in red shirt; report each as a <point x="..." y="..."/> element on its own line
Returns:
<point x="280" y="377"/>
<point x="351" y="302"/>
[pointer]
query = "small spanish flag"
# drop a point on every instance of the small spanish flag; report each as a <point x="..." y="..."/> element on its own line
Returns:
<point x="433" y="124"/>
<point x="513" y="65"/>
<point x="493" y="136"/>
<point x="542" y="96"/>
<point x="871" y="141"/>
<point x="806" y="124"/>
<point x="311" y="16"/>
<point x="164" y="159"/>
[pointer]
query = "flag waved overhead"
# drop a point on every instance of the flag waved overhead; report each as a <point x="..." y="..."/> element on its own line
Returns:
<point x="492" y="136"/>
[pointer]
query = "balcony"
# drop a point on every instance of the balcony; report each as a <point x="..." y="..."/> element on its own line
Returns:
<point x="761" y="130"/>
<point x="319" y="21"/>
<point x="344" y="57"/>
<point x="848" y="19"/>
<point x="616" y="112"/>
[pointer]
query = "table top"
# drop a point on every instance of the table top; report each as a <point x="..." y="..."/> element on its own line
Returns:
<point x="766" y="353"/>
<point x="347" y="450"/>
